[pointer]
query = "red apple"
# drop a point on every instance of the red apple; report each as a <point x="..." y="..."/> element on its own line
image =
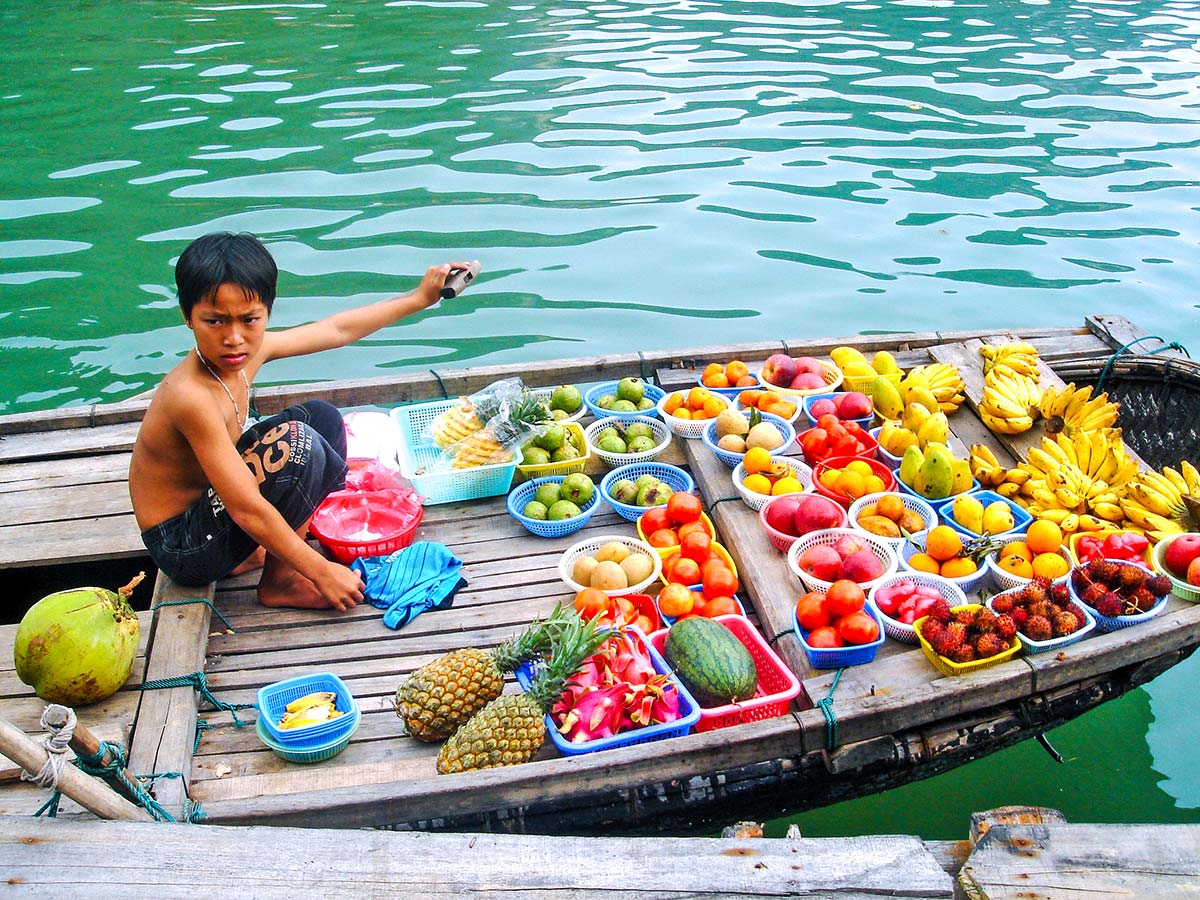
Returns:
<point x="821" y="561"/>
<point x="806" y="381"/>
<point x="815" y="513"/>
<point x="1193" y="571"/>
<point x="822" y="406"/>
<point x="780" y="514"/>
<point x="809" y="364"/>
<point x="1180" y="553"/>
<point x="861" y="566"/>
<point x="853" y="405"/>
<point x="779" y="370"/>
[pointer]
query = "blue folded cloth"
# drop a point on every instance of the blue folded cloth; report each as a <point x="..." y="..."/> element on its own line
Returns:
<point x="422" y="576"/>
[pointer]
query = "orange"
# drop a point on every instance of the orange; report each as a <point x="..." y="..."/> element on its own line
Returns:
<point x="682" y="413"/>
<point x="696" y="397"/>
<point x="673" y="402"/>
<point x="890" y="505"/>
<point x="713" y="368"/>
<point x="1050" y="565"/>
<point x="1017" y="565"/>
<point x="1018" y="547"/>
<point x="829" y="478"/>
<point x="943" y="543"/>
<point x="851" y="483"/>
<point x="923" y="562"/>
<point x="861" y="466"/>
<point x="759" y="484"/>
<point x="716" y="381"/>
<point x="757" y="459"/>
<point x="736" y="370"/>
<point x="958" y="567"/>
<point x="750" y="397"/>
<point x="675" y="600"/>
<point x="786" y="485"/>
<point x="785" y="409"/>
<point x="713" y="406"/>
<point x="1044" y="536"/>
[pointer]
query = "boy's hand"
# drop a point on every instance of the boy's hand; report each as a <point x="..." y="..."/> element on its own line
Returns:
<point x="342" y="587"/>
<point x="429" y="291"/>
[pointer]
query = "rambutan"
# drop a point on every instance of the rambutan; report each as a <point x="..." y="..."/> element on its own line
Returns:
<point x="985" y="621"/>
<point x="989" y="645"/>
<point x="1060" y="593"/>
<point x="1092" y="594"/>
<point x="1020" y="616"/>
<point x="1064" y="623"/>
<point x="1143" y="598"/>
<point x="932" y="630"/>
<point x="1037" y="590"/>
<point x="1160" y="585"/>
<point x="1005" y="626"/>
<point x="1104" y="570"/>
<point x="963" y="653"/>
<point x="1002" y="603"/>
<point x="1041" y="608"/>
<point x="957" y="633"/>
<point x="1130" y="576"/>
<point x="965" y="617"/>
<point x="941" y="610"/>
<point x="1078" y="613"/>
<point x="1038" y="628"/>
<point x="942" y="644"/>
<point x="1110" y="605"/>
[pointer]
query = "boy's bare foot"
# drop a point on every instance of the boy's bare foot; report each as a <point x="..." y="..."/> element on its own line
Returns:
<point x="291" y="590"/>
<point x="254" y="561"/>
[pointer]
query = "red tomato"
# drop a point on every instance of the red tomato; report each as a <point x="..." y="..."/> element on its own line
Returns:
<point x="718" y="580"/>
<point x="844" y="597"/>
<point x="688" y="527"/>
<point x="685" y="571"/>
<point x="810" y="611"/>
<point x="720" y="606"/>
<point x="829" y="422"/>
<point x="591" y="602"/>
<point x="858" y="628"/>
<point x="813" y="442"/>
<point x="653" y="519"/>
<point x="695" y="546"/>
<point x="675" y="600"/>
<point x="825" y="636"/>
<point x="683" y="507"/>
<point x="663" y="537"/>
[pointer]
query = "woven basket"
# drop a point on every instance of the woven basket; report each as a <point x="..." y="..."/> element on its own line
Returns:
<point x="592" y="545"/>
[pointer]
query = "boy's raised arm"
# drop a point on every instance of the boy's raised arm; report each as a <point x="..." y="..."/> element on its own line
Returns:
<point x="236" y="486"/>
<point x="351" y="325"/>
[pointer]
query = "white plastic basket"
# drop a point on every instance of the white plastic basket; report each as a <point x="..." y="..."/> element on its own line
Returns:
<point x="745" y="410"/>
<point x="661" y="434"/>
<point x="731" y="459"/>
<point x="907" y="633"/>
<point x="833" y="381"/>
<point x="686" y="428"/>
<point x="916" y="504"/>
<point x="830" y="536"/>
<point x="592" y="545"/>
<point x="1005" y="580"/>
<point x="1032" y="646"/>
<point x="545" y="394"/>
<point x="968" y="583"/>
<point x="757" y="501"/>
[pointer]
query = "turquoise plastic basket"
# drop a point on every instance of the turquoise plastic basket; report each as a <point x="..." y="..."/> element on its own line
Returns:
<point x="941" y="501"/>
<point x="1021" y="517"/>
<point x="674" y="476"/>
<point x="318" y="753"/>
<point x="418" y="455"/>
<point x="523" y="493"/>
<point x="274" y="698"/>
<point x="709" y="436"/>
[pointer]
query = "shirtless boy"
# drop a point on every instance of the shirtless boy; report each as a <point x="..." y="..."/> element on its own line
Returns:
<point x="206" y="494"/>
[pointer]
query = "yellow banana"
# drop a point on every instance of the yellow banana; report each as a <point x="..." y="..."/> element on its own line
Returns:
<point x="1016" y="476"/>
<point x="1109" y="512"/>
<point x="984" y="453"/>
<point x="1191" y="477"/>
<point x="1089" y="522"/>
<point x="1069" y="524"/>
<point x="1008" y="489"/>
<point x="314" y="699"/>
<point x="1054" y="514"/>
<point x="1176" y="478"/>
<point x="1015" y="425"/>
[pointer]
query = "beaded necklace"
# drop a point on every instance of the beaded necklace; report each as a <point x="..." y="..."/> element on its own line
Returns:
<point x="237" y="413"/>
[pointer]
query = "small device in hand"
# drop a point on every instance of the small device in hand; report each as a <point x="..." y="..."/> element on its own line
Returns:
<point x="458" y="279"/>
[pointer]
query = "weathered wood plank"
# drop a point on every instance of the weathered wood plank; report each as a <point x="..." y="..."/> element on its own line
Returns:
<point x="73" y="442"/>
<point x="1118" y="332"/>
<point x="46" y="858"/>
<point x="43" y="473"/>
<point x="84" y="539"/>
<point x="165" y="726"/>
<point x="55" y="504"/>
<point x="1072" y="862"/>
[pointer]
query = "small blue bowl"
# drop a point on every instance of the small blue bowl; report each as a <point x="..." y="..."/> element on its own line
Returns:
<point x="888" y="459"/>
<point x="674" y="476"/>
<point x="836" y="657"/>
<point x="653" y="393"/>
<point x="1021" y="517"/>
<point x="730" y="458"/>
<point x="806" y="408"/>
<point x="523" y="493"/>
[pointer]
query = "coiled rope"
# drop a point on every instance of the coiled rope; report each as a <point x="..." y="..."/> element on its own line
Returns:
<point x="1173" y="345"/>
<point x="826" y="706"/>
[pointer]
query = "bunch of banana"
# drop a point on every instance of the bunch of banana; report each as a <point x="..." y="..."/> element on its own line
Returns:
<point x="1071" y="409"/>
<point x="1010" y="401"/>
<point x="455" y="423"/>
<point x="1164" y="503"/>
<point x="1078" y="481"/>
<point x="1018" y="357"/>
<point x="942" y="381"/>
<point x="309" y="710"/>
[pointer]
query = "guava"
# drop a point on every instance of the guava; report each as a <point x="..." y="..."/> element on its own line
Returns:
<point x="558" y="414"/>
<point x="612" y="444"/>
<point x="631" y="389"/>
<point x="624" y="491"/>
<point x="563" y="509"/>
<point x="577" y="488"/>
<point x="565" y="453"/>
<point x="625" y="406"/>
<point x="654" y="494"/>
<point x="552" y="438"/>
<point x="547" y="494"/>
<point x="535" y="510"/>
<point x="535" y="456"/>
<point x="606" y="431"/>
<point x="644" y="404"/>
<point x="641" y="444"/>
<point x="567" y="398"/>
<point x="638" y="429"/>
<point x="606" y="401"/>
<point x="646" y="480"/>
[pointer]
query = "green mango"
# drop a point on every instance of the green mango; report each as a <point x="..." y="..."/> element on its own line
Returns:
<point x="937" y="472"/>
<point x="886" y="397"/>
<point x="910" y="465"/>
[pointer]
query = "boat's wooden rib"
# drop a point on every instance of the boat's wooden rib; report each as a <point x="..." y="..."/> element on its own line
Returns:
<point x="895" y="718"/>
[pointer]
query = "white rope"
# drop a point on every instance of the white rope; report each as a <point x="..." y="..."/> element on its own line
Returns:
<point x="56" y="751"/>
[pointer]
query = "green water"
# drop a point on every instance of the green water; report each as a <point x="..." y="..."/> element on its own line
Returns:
<point x="633" y="175"/>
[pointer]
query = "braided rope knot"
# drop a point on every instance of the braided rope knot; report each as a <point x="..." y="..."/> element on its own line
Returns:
<point x="56" y="751"/>
<point x="825" y="704"/>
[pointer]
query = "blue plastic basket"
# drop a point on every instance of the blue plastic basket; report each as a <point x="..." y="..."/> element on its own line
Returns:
<point x="675" y="477"/>
<point x="1032" y="646"/>
<point x="1106" y="624"/>
<point x="523" y="493"/>
<point x="689" y="709"/>
<point x="806" y="411"/>
<point x="836" y="657"/>
<point x="274" y="698"/>
<point x="316" y="753"/>
<point x="939" y="503"/>
<point x="1021" y="517"/>
<point x="732" y="459"/>
<point x="729" y="393"/>
<point x="653" y="392"/>
<point x="420" y="459"/>
<point x="888" y="459"/>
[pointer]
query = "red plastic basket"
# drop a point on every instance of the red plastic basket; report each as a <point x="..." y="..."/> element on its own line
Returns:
<point x="345" y="517"/>
<point x="840" y="462"/>
<point x="777" y="686"/>
<point x="869" y="451"/>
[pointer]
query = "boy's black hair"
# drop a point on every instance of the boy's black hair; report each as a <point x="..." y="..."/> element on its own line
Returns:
<point x="225" y="258"/>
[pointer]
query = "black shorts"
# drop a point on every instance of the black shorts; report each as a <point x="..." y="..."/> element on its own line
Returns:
<point x="298" y="457"/>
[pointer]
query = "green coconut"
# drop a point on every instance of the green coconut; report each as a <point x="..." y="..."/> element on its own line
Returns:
<point x="77" y="647"/>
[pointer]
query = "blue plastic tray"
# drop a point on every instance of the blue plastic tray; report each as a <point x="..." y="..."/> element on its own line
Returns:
<point x="1021" y="517"/>
<point x="689" y="709"/>
<point x="936" y="504"/>
<point x="274" y="698"/>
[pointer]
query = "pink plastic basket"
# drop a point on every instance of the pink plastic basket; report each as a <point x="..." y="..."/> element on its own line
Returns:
<point x="353" y="524"/>
<point x="777" y="686"/>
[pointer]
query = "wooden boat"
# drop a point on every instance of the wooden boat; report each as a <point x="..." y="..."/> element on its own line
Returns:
<point x="893" y="720"/>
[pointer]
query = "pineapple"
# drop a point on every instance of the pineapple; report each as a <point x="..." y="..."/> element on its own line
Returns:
<point x="511" y="728"/>
<point x="441" y="695"/>
<point x="507" y="422"/>
<point x="455" y="424"/>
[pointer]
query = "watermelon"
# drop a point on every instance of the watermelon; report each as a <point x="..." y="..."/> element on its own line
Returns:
<point x="710" y="661"/>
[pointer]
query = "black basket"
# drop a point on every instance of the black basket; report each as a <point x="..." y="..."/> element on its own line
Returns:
<point x="1160" y="403"/>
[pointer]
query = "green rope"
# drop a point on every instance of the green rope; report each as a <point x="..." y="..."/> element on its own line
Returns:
<point x="200" y="683"/>
<point x="206" y="602"/>
<point x="826" y="707"/>
<point x="441" y="384"/>
<point x="202" y="725"/>
<point x="114" y="770"/>
<point x="1173" y="345"/>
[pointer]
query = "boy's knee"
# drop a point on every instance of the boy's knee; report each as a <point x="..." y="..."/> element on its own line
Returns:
<point x="326" y="420"/>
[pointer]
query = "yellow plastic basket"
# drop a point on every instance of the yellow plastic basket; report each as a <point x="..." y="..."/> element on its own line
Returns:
<point x="541" y="470"/>
<point x="950" y="668"/>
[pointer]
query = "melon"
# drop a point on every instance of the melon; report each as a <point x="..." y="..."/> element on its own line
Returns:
<point x="710" y="661"/>
<point x="77" y="647"/>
